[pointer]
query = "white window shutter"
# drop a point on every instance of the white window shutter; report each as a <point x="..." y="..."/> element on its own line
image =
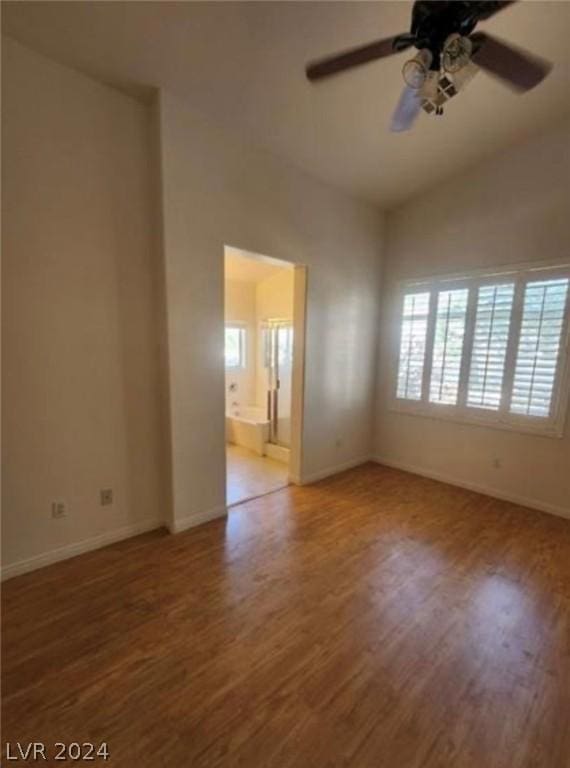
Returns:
<point x="448" y="346"/>
<point x="539" y="347"/>
<point x="412" y="345"/>
<point x="489" y="348"/>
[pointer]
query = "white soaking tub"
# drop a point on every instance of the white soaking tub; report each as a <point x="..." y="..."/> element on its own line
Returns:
<point x="248" y="426"/>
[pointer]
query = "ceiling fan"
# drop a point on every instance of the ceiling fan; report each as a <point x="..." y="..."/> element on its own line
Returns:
<point x="449" y="54"/>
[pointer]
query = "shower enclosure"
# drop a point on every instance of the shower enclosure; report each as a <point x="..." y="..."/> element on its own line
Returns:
<point x="276" y="371"/>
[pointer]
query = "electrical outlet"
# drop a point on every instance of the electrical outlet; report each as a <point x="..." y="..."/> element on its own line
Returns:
<point x="106" y="496"/>
<point x="58" y="509"/>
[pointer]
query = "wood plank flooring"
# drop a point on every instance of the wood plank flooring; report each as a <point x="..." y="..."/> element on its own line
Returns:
<point x="373" y="620"/>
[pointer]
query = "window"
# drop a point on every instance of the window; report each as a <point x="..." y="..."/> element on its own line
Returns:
<point x="235" y="346"/>
<point x="448" y="346"/>
<point x="539" y="347"/>
<point x="412" y="345"/>
<point x="489" y="349"/>
<point x="492" y="326"/>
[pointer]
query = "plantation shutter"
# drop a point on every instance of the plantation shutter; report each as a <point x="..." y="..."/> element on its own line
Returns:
<point x="539" y="347"/>
<point x="489" y="349"/>
<point x="448" y="345"/>
<point x="490" y="340"/>
<point x="412" y="345"/>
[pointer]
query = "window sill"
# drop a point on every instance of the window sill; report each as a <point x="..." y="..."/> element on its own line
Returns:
<point x="538" y="427"/>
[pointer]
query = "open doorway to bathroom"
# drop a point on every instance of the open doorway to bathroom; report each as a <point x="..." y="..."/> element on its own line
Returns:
<point x="264" y="316"/>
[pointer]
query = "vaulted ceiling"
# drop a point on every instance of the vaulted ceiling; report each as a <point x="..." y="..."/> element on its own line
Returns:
<point x="243" y="64"/>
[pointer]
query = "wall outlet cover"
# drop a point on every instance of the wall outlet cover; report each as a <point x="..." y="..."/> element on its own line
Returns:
<point x="58" y="509"/>
<point x="106" y="496"/>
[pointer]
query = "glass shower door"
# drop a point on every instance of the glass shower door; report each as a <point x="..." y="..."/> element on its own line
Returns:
<point x="278" y="336"/>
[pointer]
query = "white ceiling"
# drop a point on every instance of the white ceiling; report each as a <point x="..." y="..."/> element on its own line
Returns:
<point x="243" y="63"/>
<point x="248" y="267"/>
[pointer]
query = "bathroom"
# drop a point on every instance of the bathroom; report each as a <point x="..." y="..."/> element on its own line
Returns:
<point x="259" y="307"/>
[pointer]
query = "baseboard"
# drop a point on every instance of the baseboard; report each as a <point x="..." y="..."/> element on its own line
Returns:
<point x="523" y="501"/>
<point x="191" y="521"/>
<point x="329" y="471"/>
<point x="78" y="548"/>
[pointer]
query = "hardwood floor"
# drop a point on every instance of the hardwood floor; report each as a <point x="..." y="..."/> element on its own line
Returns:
<point x="373" y="620"/>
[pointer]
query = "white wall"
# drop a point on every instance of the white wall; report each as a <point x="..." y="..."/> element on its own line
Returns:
<point x="509" y="210"/>
<point x="217" y="191"/>
<point x="80" y="387"/>
<point x="240" y="308"/>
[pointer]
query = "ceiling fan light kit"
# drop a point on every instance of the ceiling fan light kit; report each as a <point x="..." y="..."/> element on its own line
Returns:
<point x="449" y="55"/>
<point x="415" y="71"/>
<point x="456" y="53"/>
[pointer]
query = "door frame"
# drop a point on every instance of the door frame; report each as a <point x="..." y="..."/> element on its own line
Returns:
<point x="298" y="373"/>
<point x="298" y="368"/>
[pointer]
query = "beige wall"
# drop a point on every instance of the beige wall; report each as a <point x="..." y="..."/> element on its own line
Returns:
<point x="217" y="191"/>
<point x="80" y="386"/>
<point x="512" y="209"/>
<point x="82" y="314"/>
<point x="240" y="307"/>
<point x="274" y="296"/>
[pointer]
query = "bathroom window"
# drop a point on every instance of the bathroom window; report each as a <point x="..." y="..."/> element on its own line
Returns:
<point x="488" y="348"/>
<point x="235" y="346"/>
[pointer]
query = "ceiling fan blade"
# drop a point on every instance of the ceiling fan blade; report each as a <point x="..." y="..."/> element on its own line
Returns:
<point x="354" y="57"/>
<point x="517" y="68"/>
<point x="407" y="110"/>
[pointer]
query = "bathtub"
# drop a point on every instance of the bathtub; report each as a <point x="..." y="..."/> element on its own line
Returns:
<point x="248" y="426"/>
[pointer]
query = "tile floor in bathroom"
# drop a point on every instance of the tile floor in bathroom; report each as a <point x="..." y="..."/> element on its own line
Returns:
<point x="250" y="475"/>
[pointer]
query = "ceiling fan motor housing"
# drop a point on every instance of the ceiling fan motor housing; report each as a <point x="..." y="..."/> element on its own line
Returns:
<point x="434" y="22"/>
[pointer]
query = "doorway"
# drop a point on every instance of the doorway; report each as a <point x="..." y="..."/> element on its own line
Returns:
<point x="264" y="315"/>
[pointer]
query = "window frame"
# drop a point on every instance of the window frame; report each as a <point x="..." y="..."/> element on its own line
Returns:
<point x="520" y="275"/>
<point x="242" y="328"/>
